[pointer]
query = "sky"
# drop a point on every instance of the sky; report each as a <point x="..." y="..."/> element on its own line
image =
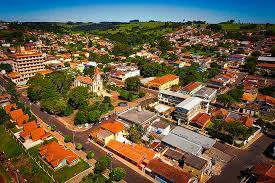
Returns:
<point x="212" y="11"/>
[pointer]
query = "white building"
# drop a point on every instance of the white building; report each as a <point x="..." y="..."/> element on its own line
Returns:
<point x="188" y="109"/>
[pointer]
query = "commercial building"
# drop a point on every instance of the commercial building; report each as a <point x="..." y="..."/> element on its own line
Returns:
<point x="163" y="82"/>
<point x="171" y="98"/>
<point x="26" y="63"/>
<point x="188" y="109"/>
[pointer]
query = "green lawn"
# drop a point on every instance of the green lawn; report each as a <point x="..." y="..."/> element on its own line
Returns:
<point x="28" y="168"/>
<point x="64" y="173"/>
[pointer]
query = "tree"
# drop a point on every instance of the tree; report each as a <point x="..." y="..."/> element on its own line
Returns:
<point x="164" y="45"/>
<point x="6" y="67"/>
<point x="90" y="155"/>
<point x="117" y="174"/>
<point x="132" y="84"/>
<point x="236" y="129"/>
<point x="251" y="64"/>
<point x="78" y="146"/>
<point x="256" y="53"/>
<point x="68" y="138"/>
<point x="89" y="71"/>
<point x="102" y="164"/>
<point x="54" y="105"/>
<point x="273" y="51"/>
<point x="94" y="178"/>
<point x="4" y="116"/>
<point x="215" y="27"/>
<point x="78" y="96"/>
<point x="94" y="116"/>
<point x="62" y="80"/>
<point x="135" y="133"/>
<point x="53" y="128"/>
<point x="67" y="111"/>
<point x="80" y="118"/>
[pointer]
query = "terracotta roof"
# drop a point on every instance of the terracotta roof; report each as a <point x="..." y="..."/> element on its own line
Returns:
<point x="44" y="72"/>
<point x="137" y="153"/>
<point x="219" y="112"/>
<point x="164" y="79"/>
<point x="265" y="173"/>
<point x="112" y="126"/>
<point x="5" y="95"/>
<point x="13" y="74"/>
<point x="27" y="128"/>
<point x="85" y="79"/>
<point x="54" y="153"/>
<point x="39" y="133"/>
<point x="248" y="120"/>
<point x="16" y="114"/>
<point x="266" y="65"/>
<point x="9" y="107"/>
<point x="21" y="120"/>
<point x="169" y="172"/>
<point x="268" y="99"/>
<point x="249" y="96"/>
<point x="97" y="71"/>
<point x="201" y="119"/>
<point x="191" y="86"/>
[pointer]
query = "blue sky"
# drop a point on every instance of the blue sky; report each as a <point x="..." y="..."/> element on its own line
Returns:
<point x="259" y="11"/>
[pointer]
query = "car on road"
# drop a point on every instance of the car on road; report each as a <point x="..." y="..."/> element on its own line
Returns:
<point x="270" y="151"/>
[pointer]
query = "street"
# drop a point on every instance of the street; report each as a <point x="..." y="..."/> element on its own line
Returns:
<point x="242" y="159"/>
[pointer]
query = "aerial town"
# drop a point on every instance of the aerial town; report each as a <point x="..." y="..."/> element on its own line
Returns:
<point x="168" y="102"/>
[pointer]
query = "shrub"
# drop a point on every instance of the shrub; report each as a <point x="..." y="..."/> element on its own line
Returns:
<point x="90" y="155"/>
<point x="68" y="138"/>
<point x="78" y="146"/>
<point x="53" y="128"/>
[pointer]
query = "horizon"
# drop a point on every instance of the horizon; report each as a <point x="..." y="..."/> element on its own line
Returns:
<point x="214" y="11"/>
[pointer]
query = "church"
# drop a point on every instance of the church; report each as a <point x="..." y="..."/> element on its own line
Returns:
<point x="94" y="84"/>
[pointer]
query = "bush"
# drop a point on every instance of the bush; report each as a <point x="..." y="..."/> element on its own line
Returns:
<point x="68" y="138"/>
<point x="215" y="134"/>
<point x="102" y="164"/>
<point x="78" y="146"/>
<point x="90" y="155"/>
<point x="117" y="174"/>
<point x="53" y="128"/>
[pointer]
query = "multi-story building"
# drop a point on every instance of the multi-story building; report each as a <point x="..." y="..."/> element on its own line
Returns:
<point x="26" y="63"/>
<point x="171" y="98"/>
<point x="191" y="88"/>
<point x="188" y="109"/>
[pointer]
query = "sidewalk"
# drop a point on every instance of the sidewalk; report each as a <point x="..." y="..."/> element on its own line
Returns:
<point x="130" y="165"/>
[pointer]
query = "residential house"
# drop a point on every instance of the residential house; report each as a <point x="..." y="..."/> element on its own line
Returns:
<point x="201" y="120"/>
<point x="188" y="109"/>
<point x="10" y="107"/>
<point x="4" y="98"/>
<point x="108" y="130"/>
<point x="159" y="126"/>
<point x="134" y="153"/>
<point x="164" y="172"/>
<point x="19" y="117"/>
<point x="163" y="82"/>
<point x="239" y="58"/>
<point x="207" y="94"/>
<point x="57" y="156"/>
<point x="32" y="131"/>
<point x="95" y="85"/>
<point x="191" y="88"/>
<point x="264" y="173"/>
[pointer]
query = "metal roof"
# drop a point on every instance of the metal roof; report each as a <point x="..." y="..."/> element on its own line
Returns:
<point x="189" y="103"/>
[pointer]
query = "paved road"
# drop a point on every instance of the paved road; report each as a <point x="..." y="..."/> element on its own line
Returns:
<point x="82" y="137"/>
<point x="242" y="159"/>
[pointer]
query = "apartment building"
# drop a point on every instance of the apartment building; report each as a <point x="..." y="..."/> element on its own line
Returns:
<point x="188" y="109"/>
<point x="26" y="63"/>
<point x="171" y="98"/>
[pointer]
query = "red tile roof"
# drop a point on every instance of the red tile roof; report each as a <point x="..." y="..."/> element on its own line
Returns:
<point x="27" y="128"/>
<point x="201" y="119"/>
<point x="20" y="121"/>
<point x="136" y="153"/>
<point x="55" y="153"/>
<point x="85" y="79"/>
<point x="219" y="112"/>
<point x="39" y="133"/>
<point x="192" y="86"/>
<point x="171" y="173"/>
<point x="16" y="114"/>
<point x="8" y="108"/>
<point x="163" y="79"/>
<point x="112" y="126"/>
<point x="265" y="173"/>
<point x="5" y="95"/>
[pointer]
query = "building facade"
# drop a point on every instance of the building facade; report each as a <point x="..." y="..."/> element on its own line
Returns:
<point x="26" y="63"/>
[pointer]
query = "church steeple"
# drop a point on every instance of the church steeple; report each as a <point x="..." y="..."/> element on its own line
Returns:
<point x="97" y="71"/>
